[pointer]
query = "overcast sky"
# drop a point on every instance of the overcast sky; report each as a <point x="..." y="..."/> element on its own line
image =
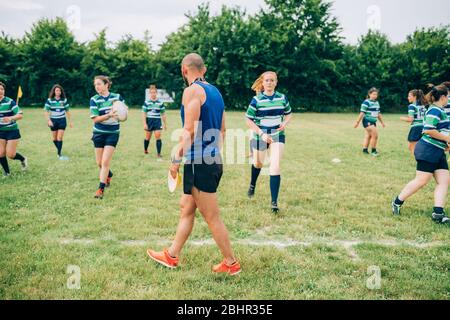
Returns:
<point x="397" y="18"/>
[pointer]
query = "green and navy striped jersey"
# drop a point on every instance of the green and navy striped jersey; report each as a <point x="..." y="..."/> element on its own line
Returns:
<point x="417" y="112"/>
<point x="8" y="108"/>
<point x="436" y="119"/>
<point x="57" y="108"/>
<point x="153" y="109"/>
<point x="371" y="109"/>
<point x="101" y="106"/>
<point x="268" y="113"/>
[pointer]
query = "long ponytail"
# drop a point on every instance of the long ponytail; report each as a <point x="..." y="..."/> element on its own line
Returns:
<point x="436" y="93"/>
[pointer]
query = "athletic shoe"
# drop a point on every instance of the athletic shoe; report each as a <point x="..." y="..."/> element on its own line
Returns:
<point x="159" y="158"/>
<point x="396" y="209"/>
<point x="163" y="258"/>
<point x="374" y="154"/>
<point x="251" y="192"/>
<point x="145" y="151"/>
<point x="99" y="194"/>
<point x="24" y="164"/>
<point x="366" y="152"/>
<point x="223" y="267"/>
<point x="108" y="182"/>
<point x="441" y="218"/>
<point x="275" y="208"/>
<point x="6" y="175"/>
<point x="63" y="158"/>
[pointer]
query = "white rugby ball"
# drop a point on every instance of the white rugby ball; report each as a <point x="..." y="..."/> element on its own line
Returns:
<point x="121" y="109"/>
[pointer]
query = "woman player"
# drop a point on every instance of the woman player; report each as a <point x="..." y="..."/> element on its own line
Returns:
<point x="106" y="129"/>
<point x="57" y="112"/>
<point x="430" y="156"/>
<point x="153" y="111"/>
<point x="370" y="114"/>
<point x="267" y="116"/>
<point x="416" y="114"/>
<point x="10" y="113"/>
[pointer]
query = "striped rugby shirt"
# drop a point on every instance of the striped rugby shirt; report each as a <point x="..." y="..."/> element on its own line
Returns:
<point x="57" y="108"/>
<point x="371" y="109"/>
<point x="8" y="108"/>
<point x="436" y="119"/>
<point x="417" y="112"/>
<point x="268" y="113"/>
<point x="101" y="106"/>
<point x="153" y="109"/>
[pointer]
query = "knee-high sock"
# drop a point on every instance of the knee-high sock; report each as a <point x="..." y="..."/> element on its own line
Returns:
<point x="146" y="144"/>
<point x="19" y="157"/>
<point x="55" y="142"/>
<point x="59" y="147"/>
<point x="275" y="182"/>
<point x="159" y="146"/>
<point x="4" y="163"/>
<point x="255" y="175"/>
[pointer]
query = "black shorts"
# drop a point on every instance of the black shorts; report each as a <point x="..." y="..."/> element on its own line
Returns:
<point x="102" y="140"/>
<point x="262" y="146"/>
<point x="367" y="123"/>
<point x="10" y="135"/>
<point x="154" y="124"/>
<point x="415" y="134"/>
<point x="59" y="124"/>
<point x="430" y="167"/>
<point x="204" y="177"/>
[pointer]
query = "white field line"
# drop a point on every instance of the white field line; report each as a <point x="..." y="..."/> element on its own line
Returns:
<point x="348" y="245"/>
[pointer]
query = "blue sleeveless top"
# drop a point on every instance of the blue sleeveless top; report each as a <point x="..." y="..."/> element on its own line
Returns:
<point x="208" y="133"/>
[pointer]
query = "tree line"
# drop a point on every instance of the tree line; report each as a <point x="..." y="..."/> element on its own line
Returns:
<point x="299" y="39"/>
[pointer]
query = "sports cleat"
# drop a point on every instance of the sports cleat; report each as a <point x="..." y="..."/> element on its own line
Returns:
<point x="163" y="258"/>
<point x="275" y="208"/>
<point x="223" y="267"/>
<point x="108" y="182"/>
<point x="145" y="151"/>
<point x="365" y="151"/>
<point x="374" y="154"/>
<point x="251" y="192"/>
<point x="159" y="158"/>
<point x="63" y="158"/>
<point x="441" y="218"/>
<point x="99" y="194"/>
<point x="396" y="209"/>
<point x="24" y="164"/>
<point x="6" y="175"/>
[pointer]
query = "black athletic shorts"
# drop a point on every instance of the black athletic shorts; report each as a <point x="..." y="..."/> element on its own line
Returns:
<point x="415" y="134"/>
<point x="367" y="123"/>
<point x="154" y="124"/>
<point x="204" y="177"/>
<point x="102" y="140"/>
<point x="430" y="167"/>
<point x="260" y="145"/>
<point x="59" y="124"/>
<point x="10" y="135"/>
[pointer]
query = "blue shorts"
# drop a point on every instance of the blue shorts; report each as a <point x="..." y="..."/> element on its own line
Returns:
<point x="415" y="134"/>
<point x="262" y="146"/>
<point x="102" y="140"/>
<point x="10" y="135"/>
<point x="367" y="123"/>
<point x="59" y="124"/>
<point x="154" y="124"/>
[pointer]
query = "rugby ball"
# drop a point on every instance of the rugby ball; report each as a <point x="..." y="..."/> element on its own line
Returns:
<point x="121" y="109"/>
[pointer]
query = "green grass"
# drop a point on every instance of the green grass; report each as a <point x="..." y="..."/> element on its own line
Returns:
<point x="49" y="220"/>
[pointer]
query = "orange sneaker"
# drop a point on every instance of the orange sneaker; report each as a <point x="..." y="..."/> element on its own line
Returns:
<point x="99" y="194"/>
<point x="108" y="182"/>
<point x="223" y="267"/>
<point x="163" y="258"/>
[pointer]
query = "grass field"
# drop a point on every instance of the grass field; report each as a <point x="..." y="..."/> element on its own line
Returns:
<point x="335" y="224"/>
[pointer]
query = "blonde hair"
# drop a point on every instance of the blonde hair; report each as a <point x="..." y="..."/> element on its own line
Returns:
<point x="153" y="87"/>
<point x="258" y="86"/>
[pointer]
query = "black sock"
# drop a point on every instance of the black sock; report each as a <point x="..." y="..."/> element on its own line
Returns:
<point x="19" y="157"/>
<point x="438" y="210"/>
<point x="255" y="175"/>
<point x="399" y="202"/>
<point x="102" y="186"/>
<point x="110" y="174"/>
<point x="275" y="182"/>
<point x="159" y="146"/>
<point x="55" y="142"/>
<point x="366" y="150"/>
<point x="4" y="163"/>
<point x="59" y="146"/>
<point x="146" y="144"/>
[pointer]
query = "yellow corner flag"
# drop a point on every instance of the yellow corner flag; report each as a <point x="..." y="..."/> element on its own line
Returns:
<point x="19" y="94"/>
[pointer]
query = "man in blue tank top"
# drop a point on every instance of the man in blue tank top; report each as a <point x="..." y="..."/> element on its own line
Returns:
<point x="203" y="117"/>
